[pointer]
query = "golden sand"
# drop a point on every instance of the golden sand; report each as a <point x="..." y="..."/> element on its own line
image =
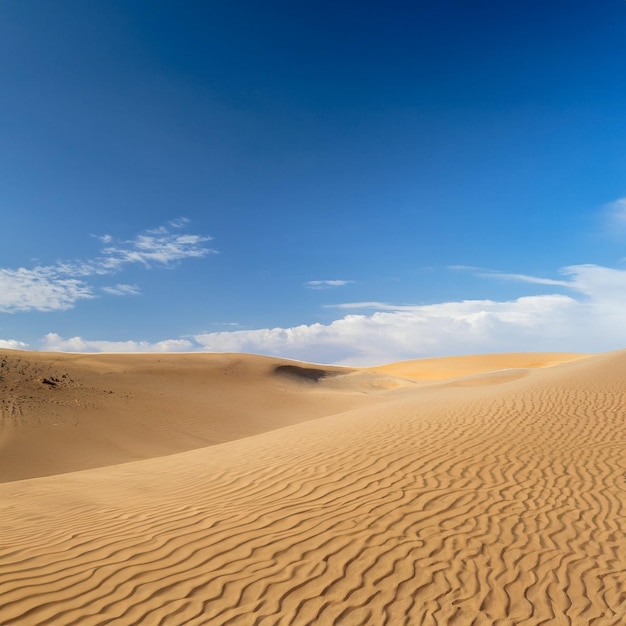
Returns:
<point x="274" y="492"/>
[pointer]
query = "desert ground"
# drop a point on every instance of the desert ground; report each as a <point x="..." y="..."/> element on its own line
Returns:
<point x="231" y="489"/>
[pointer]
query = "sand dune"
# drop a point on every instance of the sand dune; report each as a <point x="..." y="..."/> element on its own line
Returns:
<point x="496" y="497"/>
<point x="454" y="367"/>
<point x="68" y="412"/>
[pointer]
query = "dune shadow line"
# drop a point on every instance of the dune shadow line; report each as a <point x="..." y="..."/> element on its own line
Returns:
<point x="309" y="374"/>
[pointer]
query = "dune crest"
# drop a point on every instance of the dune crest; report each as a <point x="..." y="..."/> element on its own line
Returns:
<point x="67" y="412"/>
<point x="453" y="367"/>
<point x="418" y="504"/>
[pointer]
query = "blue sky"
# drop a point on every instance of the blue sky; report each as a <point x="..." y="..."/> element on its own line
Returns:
<point x="353" y="182"/>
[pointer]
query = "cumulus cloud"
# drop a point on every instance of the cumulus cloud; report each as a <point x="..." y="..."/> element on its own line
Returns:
<point x="60" y="285"/>
<point x="55" y="343"/>
<point x="587" y="318"/>
<point x="412" y="332"/>
<point x="327" y="284"/>
<point x="12" y="344"/>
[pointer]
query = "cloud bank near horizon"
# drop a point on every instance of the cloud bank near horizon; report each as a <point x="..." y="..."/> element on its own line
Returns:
<point x="590" y="319"/>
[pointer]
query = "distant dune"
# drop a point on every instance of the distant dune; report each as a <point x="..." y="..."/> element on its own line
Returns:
<point x="237" y="489"/>
<point x="453" y="367"/>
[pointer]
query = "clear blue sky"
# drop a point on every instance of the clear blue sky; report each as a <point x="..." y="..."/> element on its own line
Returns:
<point x="349" y="182"/>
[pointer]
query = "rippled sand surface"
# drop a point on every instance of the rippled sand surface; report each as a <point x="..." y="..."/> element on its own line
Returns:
<point x="273" y="492"/>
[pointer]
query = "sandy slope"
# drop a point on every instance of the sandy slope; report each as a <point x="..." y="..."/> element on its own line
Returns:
<point x="452" y="367"/>
<point x="67" y="412"/>
<point x="497" y="498"/>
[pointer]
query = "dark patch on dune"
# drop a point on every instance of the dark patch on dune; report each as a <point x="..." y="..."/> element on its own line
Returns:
<point x="308" y="374"/>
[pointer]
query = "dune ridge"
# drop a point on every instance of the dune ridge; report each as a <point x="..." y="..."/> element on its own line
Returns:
<point x="68" y="412"/>
<point x="453" y="367"/>
<point x="496" y="503"/>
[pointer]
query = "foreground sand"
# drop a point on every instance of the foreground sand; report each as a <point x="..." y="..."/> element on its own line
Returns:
<point x="495" y="498"/>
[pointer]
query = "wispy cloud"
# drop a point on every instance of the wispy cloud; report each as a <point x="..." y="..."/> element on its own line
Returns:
<point x="162" y="248"/>
<point x="590" y="280"/>
<point x="60" y="285"/>
<point x="122" y="290"/>
<point x="327" y="284"/>
<point x="617" y="212"/>
<point x="524" y="278"/>
<point x="40" y="288"/>
<point x="612" y="220"/>
<point x="372" y="306"/>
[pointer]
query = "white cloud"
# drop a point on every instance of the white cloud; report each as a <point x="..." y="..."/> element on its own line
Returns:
<point x="40" y="288"/>
<point x="536" y="280"/>
<point x="327" y="284"/>
<point x="122" y="290"/>
<point x="377" y="306"/>
<point x="12" y="344"/>
<point x="590" y="318"/>
<point x="595" y="282"/>
<point x="59" y="286"/>
<point x="161" y="247"/>
<point x="179" y="222"/>
<point x="617" y="212"/>
<point x="412" y="332"/>
<point x="55" y="343"/>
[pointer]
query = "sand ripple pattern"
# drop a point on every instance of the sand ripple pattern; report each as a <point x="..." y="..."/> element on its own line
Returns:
<point x="457" y="505"/>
